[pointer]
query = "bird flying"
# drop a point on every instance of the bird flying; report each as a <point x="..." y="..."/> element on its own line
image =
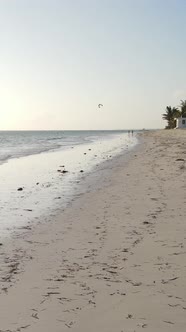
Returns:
<point x="99" y="105"/>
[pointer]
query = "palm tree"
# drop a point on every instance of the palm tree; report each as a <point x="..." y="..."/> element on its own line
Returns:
<point x="170" y="115"/>
<point x="183" y="108"/>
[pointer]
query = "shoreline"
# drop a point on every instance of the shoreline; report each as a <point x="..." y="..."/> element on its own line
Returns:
<point x="60" y="147"/>
<point x="114" y="261"/>
<point x="44" y="189"/>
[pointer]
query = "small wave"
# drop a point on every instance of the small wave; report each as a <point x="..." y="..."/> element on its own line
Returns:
<point x="54" y="138"/>
<point x="26" y="153"/>
<point x="4" y="158"/>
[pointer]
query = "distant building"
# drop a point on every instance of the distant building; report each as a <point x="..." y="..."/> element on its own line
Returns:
<point x="181" y="123"/>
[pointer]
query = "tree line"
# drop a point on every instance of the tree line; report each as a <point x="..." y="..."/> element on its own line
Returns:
<point x="172" y="113"/>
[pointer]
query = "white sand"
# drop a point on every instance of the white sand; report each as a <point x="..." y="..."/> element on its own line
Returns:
<point x="115" y="260"/>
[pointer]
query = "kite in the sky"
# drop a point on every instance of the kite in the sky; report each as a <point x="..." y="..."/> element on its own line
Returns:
<point x="99" y="105"/>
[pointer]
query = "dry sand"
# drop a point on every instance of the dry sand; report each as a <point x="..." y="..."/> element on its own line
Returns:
<point x="115" y="260"/>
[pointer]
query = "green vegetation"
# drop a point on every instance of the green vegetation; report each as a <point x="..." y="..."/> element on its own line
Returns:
<point x="183" y="108"/>
<point x="172" y="113"/>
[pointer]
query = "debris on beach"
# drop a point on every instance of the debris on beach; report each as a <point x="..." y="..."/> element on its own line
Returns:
<point x="20" y="189"/>
<point x="129" y="316"/>
<point x="62" y="171"/>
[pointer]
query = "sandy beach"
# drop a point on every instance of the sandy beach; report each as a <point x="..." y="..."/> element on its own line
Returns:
<point x="115" y="260"/>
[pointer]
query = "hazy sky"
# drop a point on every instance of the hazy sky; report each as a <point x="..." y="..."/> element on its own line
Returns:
<point x="60" y="58"/>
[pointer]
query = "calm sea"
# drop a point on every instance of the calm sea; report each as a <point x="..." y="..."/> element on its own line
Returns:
<point x="15" y="144"/>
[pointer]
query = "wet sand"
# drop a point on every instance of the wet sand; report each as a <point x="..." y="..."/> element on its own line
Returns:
<point x="115" y="260"/>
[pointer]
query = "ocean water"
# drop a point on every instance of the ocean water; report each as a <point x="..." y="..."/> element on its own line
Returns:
<point x="16" y="144"/>
<point x="35" y="161"/>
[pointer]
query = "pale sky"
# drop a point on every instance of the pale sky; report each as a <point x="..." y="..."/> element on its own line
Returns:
<point x="60" y="58"/>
